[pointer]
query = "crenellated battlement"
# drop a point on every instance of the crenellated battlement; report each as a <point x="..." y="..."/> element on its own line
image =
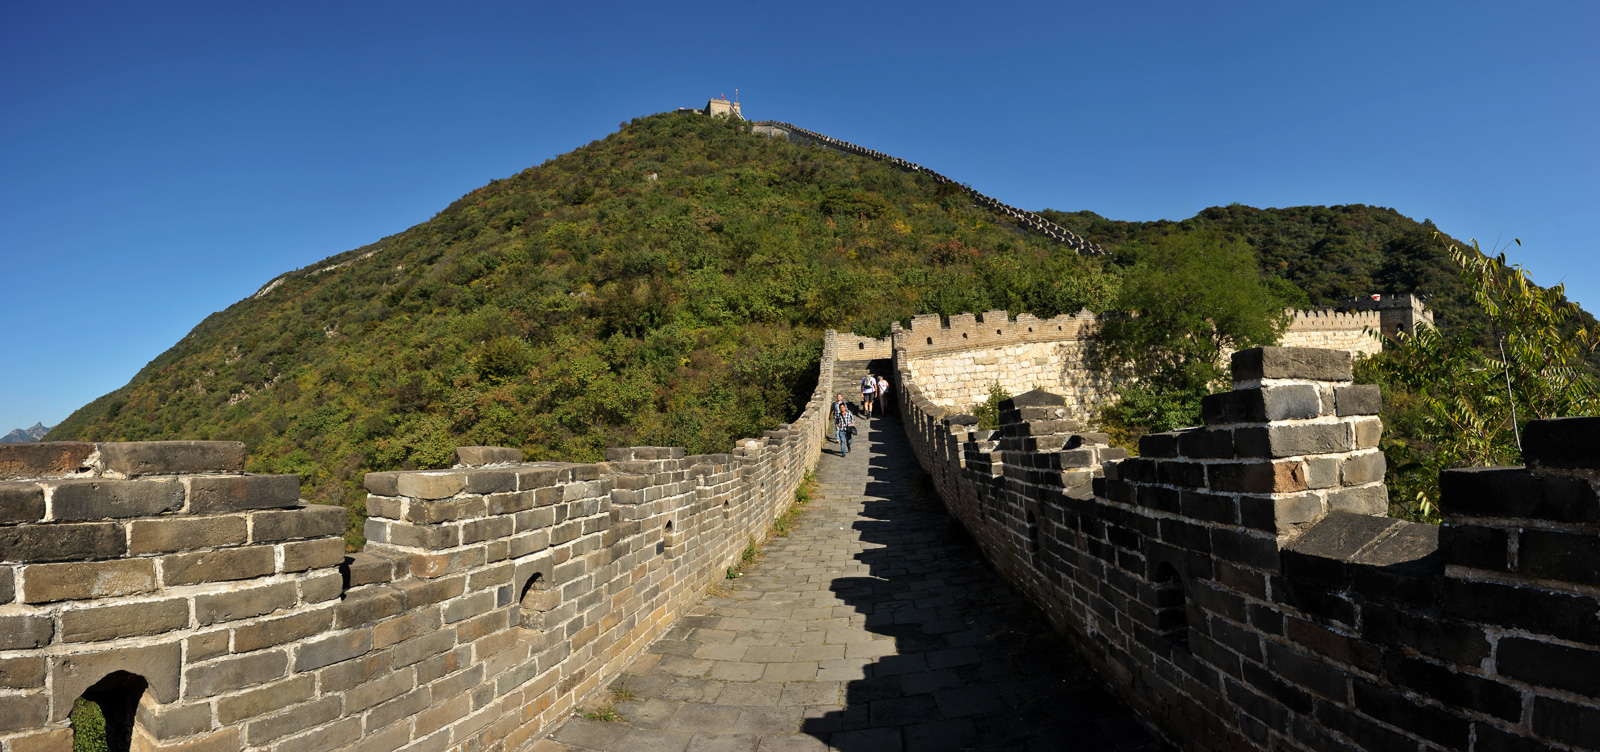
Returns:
<point x="1241" y="586"/>
<point x="207" y="608"/>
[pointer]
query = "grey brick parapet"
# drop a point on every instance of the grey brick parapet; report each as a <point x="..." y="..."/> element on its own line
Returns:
<point x="1240" y="586"/>
<point x="224" y="614"/>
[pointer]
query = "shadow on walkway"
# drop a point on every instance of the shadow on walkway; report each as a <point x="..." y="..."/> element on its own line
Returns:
<point x="976" y="667"/>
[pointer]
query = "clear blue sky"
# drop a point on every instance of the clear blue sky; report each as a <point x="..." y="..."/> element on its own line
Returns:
<point x="160" y="161"/>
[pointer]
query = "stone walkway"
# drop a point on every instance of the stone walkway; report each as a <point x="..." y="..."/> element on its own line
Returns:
<point x="875" y="627"/>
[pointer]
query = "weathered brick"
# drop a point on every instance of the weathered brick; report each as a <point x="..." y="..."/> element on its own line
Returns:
<point x="266" y="699"/>
<point x="1431" y="723"/>
<point x="478" y="456"/>
<point x="237" y="493"/>
<point x="430" y="511"/>
<point x="1291" y="363"/>
<point x="22" y="673"/>
<point x="21" y="502"/>
<point x="124" y="620"/>
<point x="1475" y="546"/>
<point x="132" y="458"/>
<point x="44" y="583"/>
<point x="221" y="565"/>
<point x="296" y="719"/>
<point x="174" y="534"/>
<point x="1358" y="399"/>
<point x="1372" y="500"/>
<point x="1546" y="664"/>
<point x="321" y="586"/>
<point x="272" y="632"/>
<point x="309" y="521"/>
<point x="243" y="604"/>
<point x="382" y="484"/>
<point x="1279" y="514"/>
<point x="430" y="484"/>
<point x="95" y="499"/>
<point x="368" y="605"/>
<point x="313" y="554"/>
<point x="44" y="459"/>
<point x="1258" y="477"/>
<point x="1293" y="440"/>
<point x="386" y="687"/>
<point x="1516" y="493"/>
<point x="330" y="650"/>
<point x="1563" y="443"/>
<point x="1362" y="468"/>
<point x="8" y="590"/>
<point x="23" y="712"/>
<point x="176" y="722"/>
<point x="62" y="542"/>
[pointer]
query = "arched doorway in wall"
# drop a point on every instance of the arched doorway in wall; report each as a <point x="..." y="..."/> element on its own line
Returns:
<point x="105" y="716"/>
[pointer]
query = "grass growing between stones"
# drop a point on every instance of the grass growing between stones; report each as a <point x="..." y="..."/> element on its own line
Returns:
<point x="605" y="713"/>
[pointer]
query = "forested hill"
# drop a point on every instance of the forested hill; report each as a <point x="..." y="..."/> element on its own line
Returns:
<point x="666" y="285"/>
<point x="1332" y="253"/>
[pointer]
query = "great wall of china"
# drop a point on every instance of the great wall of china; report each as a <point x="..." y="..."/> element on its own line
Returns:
<point x="1237" y="583"/>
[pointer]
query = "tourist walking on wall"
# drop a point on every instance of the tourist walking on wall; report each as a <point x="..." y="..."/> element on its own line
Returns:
<point x="844" y="425"/>
<point x="882" y="396"/>
<point x="869" y="389"/>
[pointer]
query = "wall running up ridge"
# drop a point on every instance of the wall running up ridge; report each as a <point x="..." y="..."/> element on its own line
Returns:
<point x="210" y="610"/>
<point x="1240" y="586"/>
<point x="1025" y="219"/>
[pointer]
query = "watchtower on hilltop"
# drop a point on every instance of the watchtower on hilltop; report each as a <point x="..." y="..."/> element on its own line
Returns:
<point x="1401" y="312"/>
<point x="721" y="106"/>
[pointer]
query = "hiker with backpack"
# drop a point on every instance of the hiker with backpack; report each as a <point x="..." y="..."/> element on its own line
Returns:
<point x="882" y="397"/>
<point x="869" y="390"/>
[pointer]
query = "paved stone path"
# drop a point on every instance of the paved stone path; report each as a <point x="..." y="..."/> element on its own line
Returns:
<point x="875" y="627"/>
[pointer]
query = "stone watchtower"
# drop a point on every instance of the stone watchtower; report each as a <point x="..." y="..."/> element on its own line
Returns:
<point x="1400" y="312"/>
<point x="721" y="106"/>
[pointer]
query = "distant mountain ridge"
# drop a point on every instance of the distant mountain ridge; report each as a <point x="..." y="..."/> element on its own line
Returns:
<point x="25" y="435"/>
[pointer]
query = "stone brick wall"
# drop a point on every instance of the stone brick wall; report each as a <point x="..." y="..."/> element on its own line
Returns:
<point x="1335" y="330"/>
<point x="955" y="364"/>
<point x="857" y="347"/>
<point x="1240" y="586"/>
<point x="208" y="609"/>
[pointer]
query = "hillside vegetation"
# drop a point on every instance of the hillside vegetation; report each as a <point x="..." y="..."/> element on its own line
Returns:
<point x="666" y="285"/>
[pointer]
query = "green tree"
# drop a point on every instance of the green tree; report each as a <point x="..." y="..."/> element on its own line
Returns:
<point x="1188" y="300"/>
<point x="1465" y="404"/>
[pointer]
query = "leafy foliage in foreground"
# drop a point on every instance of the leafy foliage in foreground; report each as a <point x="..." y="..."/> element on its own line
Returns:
<point x="1450" y="403"/>
<point x="667" y="285"/>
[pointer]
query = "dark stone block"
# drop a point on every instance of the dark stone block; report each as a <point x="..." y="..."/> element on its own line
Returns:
<point x="1493" y="739"/>
<point x="1034" y="398"/>
<point x="96" y="499"/>
<point x="1159" y="444"/>
<point x="24" y="632"/>
<point x="62" y="542"/>
<point x="43" y="459"/>
<point x="1563" y="443"/>
<point x="1334" y="646"/>
<point x="1211" y="507"/>
<point x="1340" y="536"/>
<point x="1359" y="399"/>
<point x="1317" y="600"/>
<point x="1293" y="440"/>
<point x="1291" y="363"/>
<point x="1138" y="470"/>
<point x="1253" y="550"/>
<point x="133" y="458"/>
<point x="1164" y="499"/>
<point x="21" y="502"/>
<point x="1224" y="408"/>
<point x="1510" y="492"/>
<point x="1283" y="692"/>
<point x="1185" y="534"/>
<point x="1190" y="474"/>
<point x="1206" y="443"/>
<point x="1562" y="615"/>
<point x="309" y="521"/>
<point x="1289" y="402"/>
<point x="1569" y="557"/>
<point x="1572" y="669"/>
<point x="1307" y="672"/>
<point x="235" y="493"/>
<point x="1446" y="729"/>
<point x="1455" y="688"/>
<point x="1446" y="639"/>
<point x="1258" y="477"/>
<point x="1567" y="722"/>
